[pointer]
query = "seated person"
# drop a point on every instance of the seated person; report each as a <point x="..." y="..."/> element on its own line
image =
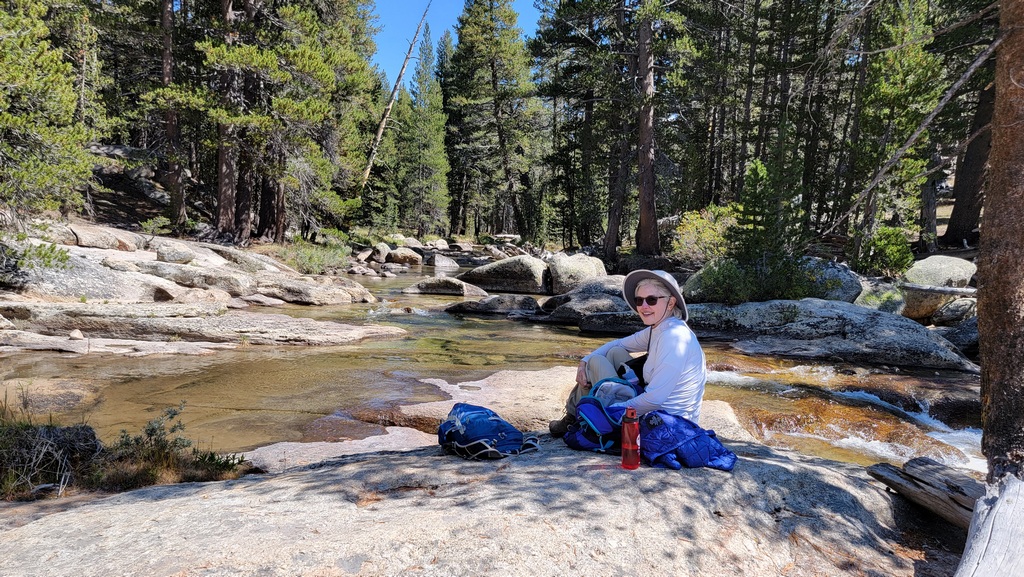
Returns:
<point x="674" y="371"/>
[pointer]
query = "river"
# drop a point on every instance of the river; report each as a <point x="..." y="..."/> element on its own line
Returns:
<point x="252" y="396"/>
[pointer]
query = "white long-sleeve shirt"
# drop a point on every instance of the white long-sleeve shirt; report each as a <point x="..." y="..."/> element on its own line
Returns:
<point x="675" y="370"/>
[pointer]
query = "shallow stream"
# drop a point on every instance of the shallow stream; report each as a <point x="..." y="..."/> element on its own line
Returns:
<point x="252" y="396"/>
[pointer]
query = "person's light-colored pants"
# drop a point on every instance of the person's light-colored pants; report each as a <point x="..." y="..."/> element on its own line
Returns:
<point x="599" y="368"/>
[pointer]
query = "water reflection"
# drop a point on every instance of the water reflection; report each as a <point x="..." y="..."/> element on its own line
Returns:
<point x="240" y="399"/>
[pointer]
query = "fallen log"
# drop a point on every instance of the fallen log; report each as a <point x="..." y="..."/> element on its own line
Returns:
<point x="947" y="492"/>
<point x="993" y="542"/>
<point x="942" y="290"/>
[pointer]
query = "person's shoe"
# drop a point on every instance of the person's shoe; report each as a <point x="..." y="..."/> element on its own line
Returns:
<point x="560" y="427"/>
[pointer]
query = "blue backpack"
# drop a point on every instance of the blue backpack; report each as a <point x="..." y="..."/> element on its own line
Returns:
<point x="474" y="432"/>
<point x="598" y="425"/>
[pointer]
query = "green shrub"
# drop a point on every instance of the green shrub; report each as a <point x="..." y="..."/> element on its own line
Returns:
<point x="363" y="237"/>
<point x="762" y="247"/>
<point x="335" y="237"/>
<point x="309" y="258"/>
<point x="724" y="281"/>
<point x="156" y="225"/>
<point x="885" y="253"/>
<point x="35" y="456"/>
<point x="730" y="282"/>
<point x="19" y="257"/>
<point x="701" y="234"/>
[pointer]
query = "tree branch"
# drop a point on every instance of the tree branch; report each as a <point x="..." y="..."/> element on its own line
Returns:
<point x="882" y="172"/>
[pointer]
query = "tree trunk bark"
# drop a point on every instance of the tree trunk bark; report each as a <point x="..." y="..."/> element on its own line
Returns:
<point x="748" y="96"/>
<point x="647" y="230"/>
<point x="927" y="242"/>
<point x="174" y="172"/>
<point x="968" y="189"/>
<point x="851" y="165"/>
<point x="993" y="546"/>
<point x="617" y="183"/>
<point x="243" y="195"/>
<point x="1001" y="286"/>
<point x="265" y="218"/>
<point x="226" y="147"/>
<point x="586" y="228"/>
<point x="618" y="170"/>
<point x="510" y="174"/>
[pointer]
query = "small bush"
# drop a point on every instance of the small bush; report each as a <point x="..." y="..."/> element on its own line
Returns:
<point x="885" y="253"/>
<point x="156" y="225"/>
<point x="160" y="456"/>
<point x="723" y="281"/>
<point x="33" y="456"/>
<point x="19" y="257"/>
<point x="309" y="258"/>
<point x="335" y="237"/>
<point x="362" y="237"/>
<point x="727" y="281"/>
<point x="701" y="234"/>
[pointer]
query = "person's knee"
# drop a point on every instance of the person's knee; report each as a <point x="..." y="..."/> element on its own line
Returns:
<point x="600" y="368"/>
<point x="617" y="356"/>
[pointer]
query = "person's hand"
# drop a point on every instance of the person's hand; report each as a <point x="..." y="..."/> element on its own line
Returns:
<point x="581" y="376"/>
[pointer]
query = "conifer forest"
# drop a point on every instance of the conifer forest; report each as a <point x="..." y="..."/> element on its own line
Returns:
<point x="805" y="121"/>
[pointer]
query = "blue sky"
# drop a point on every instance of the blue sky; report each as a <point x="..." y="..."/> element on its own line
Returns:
<point x="397" y="20"/>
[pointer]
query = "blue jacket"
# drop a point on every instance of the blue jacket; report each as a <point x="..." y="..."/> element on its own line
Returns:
<point x="671" y="441"/>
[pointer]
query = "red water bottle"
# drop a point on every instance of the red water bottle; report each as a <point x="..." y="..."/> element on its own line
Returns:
<point x="630" y="440"/>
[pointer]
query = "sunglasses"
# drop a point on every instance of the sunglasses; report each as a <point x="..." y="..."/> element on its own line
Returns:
<point x="651" y="300"/>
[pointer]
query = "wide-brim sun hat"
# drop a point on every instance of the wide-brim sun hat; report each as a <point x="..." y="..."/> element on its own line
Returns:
<point x="632" y="279"/>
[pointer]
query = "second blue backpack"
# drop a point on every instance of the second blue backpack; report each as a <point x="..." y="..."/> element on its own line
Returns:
<point x="598" y="426"/>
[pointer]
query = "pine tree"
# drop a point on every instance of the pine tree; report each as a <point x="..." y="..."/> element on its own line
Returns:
<point x="490" y="87"/>
<point x="425" y="166"/>
<point x="900" y="91"/>
<point x="579" y="83"/>
<point x="458" y="173"/>
<point x="42" y="142"/>
<point x="304" y="89"/>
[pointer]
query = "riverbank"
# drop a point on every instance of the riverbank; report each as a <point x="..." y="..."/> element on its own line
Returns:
<point x="554" y="512"/>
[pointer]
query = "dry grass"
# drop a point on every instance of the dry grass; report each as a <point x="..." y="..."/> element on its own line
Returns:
<point x="37" y="459"/>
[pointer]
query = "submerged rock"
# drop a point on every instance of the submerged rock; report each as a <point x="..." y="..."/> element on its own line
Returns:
<point x="497" y="305"/>
<point x="445" y="286"/>
<point x="210" y="323"/>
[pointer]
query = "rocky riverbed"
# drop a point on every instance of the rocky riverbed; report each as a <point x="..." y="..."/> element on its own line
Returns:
<point x="394" y="504"/>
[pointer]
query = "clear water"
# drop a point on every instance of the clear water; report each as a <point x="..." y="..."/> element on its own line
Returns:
<point x="252" y="396"/>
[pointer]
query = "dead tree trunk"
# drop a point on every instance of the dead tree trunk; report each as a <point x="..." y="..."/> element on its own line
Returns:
<point x="391" y="102"/>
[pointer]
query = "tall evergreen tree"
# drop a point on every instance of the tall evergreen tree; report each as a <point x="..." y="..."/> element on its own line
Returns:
<point x="42" y="140"/>
<point x="302" y="103"/>
<point x="490" y="88"/>
<point x="900" y="91"/>
<point x="423" y="159"/>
